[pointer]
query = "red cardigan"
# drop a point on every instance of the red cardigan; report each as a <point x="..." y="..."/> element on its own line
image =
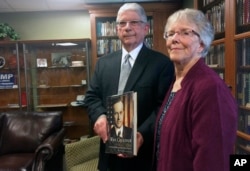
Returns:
<point x="198" y="132"/>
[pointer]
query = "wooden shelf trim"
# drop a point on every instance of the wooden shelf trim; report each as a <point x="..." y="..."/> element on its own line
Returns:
<point x="245" y="148"/>
<point x="244" y="108"/>
<point x="52" y="105"/>
<point x="12" y="106"/>
<point x="243" y="135"/>
<point x="242" y="36"/>
<point x="63" y="86"/>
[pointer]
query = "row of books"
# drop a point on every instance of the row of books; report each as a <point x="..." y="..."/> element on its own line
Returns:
<point x="244" y="126"/>
<point x="216" y="56"/>
<point x="243" y="52"/>
<point x="106" y="45"/>
<point x="206" y="2"/>
<point x="108" y="28"/>
<point x="243" y="12"/>
<point x="149" y="42"/>
<point x="216" y="15"/>
<point x="244" y="121"/>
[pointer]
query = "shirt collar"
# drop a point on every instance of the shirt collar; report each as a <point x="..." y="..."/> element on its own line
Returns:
<point x="118" y="129"/>
<point x="134" y="53"/>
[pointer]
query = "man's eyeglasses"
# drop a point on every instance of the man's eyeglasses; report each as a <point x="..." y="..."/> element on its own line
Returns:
<point x="133" y="23"/>
<point x="182" y="34"/>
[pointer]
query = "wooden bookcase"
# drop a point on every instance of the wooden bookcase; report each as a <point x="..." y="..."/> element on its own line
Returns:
<point x="106" y="13"/>
<point x="235" y="37"/>
<point x="49" y="75"/>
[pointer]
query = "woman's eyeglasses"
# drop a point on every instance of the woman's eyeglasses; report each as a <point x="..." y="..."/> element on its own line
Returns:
<point x="182" y="34"/>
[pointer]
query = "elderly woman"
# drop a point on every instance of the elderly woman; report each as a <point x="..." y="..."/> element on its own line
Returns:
<point x="196" y="125"/>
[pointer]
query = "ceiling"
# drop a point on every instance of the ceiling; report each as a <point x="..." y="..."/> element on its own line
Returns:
<point x="40" y="5"/>
<point x="55" y="5"/>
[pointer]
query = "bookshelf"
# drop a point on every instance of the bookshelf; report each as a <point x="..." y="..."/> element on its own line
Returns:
<point x="216" y="59"/>
<point x="103" y="33"/>
<point x="234" y="35"/>
<point x="108" y="42"/>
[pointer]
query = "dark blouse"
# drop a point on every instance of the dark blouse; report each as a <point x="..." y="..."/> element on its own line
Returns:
<point x="170" y="99"/>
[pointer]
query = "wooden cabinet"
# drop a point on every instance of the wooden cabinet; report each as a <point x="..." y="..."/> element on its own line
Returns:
<point x="48" y="75"/>
<point x="58" y="75"/>
<point x="233" y="17"/>
<point x="104" y="16"/>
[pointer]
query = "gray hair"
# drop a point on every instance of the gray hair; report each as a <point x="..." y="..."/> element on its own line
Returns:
<point x="133" y="7"/>
<point x="193" y="16"/>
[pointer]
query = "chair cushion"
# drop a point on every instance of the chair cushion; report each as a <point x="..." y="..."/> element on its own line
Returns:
<point x="82" y="151"/>
<point x="90" y="165"/>
<point x="23" y="132"/>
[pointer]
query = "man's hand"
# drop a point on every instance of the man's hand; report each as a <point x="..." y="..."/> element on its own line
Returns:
<point x="100" y="128"/>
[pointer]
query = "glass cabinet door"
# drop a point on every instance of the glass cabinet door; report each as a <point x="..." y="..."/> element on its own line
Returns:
<point x="12" y="78"/>
<point x="243" y="92"/>
<point x="58" y="72"/>
<point x="242" y="46"/>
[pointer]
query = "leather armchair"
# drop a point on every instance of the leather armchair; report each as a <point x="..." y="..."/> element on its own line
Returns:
<point x="31" y="141"/>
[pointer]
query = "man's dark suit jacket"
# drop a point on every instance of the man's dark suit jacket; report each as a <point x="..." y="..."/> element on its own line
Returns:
<point x="150" y="77"/>
<point x="126" y="133"/>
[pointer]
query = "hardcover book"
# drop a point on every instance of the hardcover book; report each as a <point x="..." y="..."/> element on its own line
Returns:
<point x="122" y="124"/>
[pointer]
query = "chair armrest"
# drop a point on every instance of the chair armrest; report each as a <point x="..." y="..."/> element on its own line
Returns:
<point x="81" y="151"/>
<point x="47" y="149"/>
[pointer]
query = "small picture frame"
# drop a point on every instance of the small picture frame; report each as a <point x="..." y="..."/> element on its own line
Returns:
<point x="41" y="62"/>
<point x="61" y="59"/>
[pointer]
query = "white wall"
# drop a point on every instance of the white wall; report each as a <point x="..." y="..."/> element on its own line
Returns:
<point x="49" y="25"/>
<point x="54" y="25"/>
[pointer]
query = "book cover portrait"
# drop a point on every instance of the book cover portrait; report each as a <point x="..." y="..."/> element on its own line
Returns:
<point x="122" y="124"/>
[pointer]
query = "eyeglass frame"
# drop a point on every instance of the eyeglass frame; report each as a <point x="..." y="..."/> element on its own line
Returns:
<point x="181" y="33"/>
<point x="133" y="23"/>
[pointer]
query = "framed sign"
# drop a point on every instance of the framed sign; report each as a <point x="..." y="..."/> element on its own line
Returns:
<point x="7" y="80"/>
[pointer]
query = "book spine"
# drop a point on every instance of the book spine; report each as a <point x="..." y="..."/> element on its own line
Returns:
<point x="99" y="29"/>
<point x="239" y="8"/>
<point x="246" y="11"/>
<point x="247" y="89"/>
<point x="247" y="51"/>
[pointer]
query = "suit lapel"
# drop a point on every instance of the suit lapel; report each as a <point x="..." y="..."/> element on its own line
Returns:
<point x="138" y="68"/>
<point x="115" y="64"/>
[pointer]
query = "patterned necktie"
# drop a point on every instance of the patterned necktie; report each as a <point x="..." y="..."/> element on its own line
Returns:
<point x="125" y="70"/>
